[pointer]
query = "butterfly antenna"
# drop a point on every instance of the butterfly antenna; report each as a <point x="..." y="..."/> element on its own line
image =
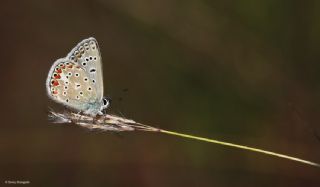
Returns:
<point x="121" y="114"/>
<point x="298" y="115"/>
<point x="316" y="135"/>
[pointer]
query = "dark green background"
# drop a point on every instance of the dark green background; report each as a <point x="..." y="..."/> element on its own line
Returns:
<point x="242" y="71"/>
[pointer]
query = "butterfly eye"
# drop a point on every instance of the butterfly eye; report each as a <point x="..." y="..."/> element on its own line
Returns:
<point x="84" y="64"/>
<point x="60" y="65"/>
<point x="92" y="70"/>
<point x="95" y="58"/>
<point x="87" y="59"/>
<point x="80" y="48"/>
<point x="85" y="79"/>
<point x="72" y="57"/>
<point x="106" y="103"/>
<point x="89" y="89"/>
<point x="90" y="57"/>
<point x="77" y="74"/>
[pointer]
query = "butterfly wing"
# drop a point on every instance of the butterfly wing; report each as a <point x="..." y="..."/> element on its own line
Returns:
<point x="87" y="55"/>
<point x="76" y="81"/>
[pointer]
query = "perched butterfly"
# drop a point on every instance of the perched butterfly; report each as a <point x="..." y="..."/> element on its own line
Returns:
<point x="76" y="81"/>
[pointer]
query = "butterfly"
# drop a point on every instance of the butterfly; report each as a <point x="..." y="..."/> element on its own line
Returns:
<point x="76" y="81"/>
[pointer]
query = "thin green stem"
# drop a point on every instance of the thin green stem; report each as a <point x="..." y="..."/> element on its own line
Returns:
<point x="241" y="147"/>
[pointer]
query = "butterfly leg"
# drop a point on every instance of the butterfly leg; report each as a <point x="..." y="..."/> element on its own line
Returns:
<point x="97" y="118"/>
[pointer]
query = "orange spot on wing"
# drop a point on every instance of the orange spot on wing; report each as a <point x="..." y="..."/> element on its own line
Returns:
<point x="54" y="83"/>
<point x="55" y="92"/>
<point x="57" y="76"/>
<point x="59" y="70"/>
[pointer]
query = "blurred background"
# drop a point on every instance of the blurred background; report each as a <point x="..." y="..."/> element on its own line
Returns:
<point x="245" y="71"/>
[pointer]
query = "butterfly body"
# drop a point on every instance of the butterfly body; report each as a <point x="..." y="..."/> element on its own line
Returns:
<point x="76" y="81"/>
